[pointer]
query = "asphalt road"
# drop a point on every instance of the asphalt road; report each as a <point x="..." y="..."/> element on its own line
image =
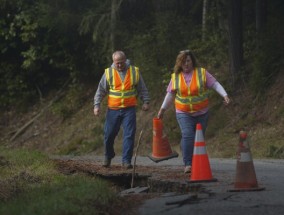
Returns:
<point x="214" y="198"/>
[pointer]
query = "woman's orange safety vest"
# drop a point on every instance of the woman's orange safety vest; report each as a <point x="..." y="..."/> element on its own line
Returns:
<point x="122" y="93"/>
<point x="194" y="97"/>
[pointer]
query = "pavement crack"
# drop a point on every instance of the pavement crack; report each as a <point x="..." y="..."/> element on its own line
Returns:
<point x="189" y="200"/>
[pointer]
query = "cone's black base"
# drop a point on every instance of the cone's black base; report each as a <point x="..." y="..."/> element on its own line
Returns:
<point x="246" y="189"/>
<point x="159" y="159"/>
<point x="201" y="181"/>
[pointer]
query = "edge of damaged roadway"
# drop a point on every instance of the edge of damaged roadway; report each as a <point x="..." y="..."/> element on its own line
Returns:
<point x="168" y="183"/>
<point x="223" y="170"/>
<point x="212" y="198"/>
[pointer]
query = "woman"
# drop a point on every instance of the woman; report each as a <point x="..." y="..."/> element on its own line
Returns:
<point x="189" y="87"/>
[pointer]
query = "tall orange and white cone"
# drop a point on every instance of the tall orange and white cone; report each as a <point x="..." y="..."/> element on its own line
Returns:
<point x="161" y="149"/>
<point x="245" y="174"/>
<point x="200" y="170"/>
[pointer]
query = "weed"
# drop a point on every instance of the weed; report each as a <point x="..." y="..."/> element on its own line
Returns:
<point x="30" y="184"/>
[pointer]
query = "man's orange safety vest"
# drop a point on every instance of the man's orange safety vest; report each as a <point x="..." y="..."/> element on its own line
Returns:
<point x="194" y="97"/>
<point x="122" y="94"/>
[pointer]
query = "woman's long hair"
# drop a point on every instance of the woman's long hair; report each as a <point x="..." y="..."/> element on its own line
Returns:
<point x="181" y="59"/>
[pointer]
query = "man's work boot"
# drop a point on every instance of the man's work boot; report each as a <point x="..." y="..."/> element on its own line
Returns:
<point x="127" y="165"/>
<point x="107" y="162"/>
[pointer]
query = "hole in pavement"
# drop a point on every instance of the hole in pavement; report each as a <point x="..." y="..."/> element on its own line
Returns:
<point x="157" y="180"/>
<point x="154" y="184"/>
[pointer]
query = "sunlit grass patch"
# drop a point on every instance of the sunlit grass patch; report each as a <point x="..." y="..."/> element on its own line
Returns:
<point x="30" y="184"/>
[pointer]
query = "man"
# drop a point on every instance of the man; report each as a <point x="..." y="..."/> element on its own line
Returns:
<point x="122" y="83"/>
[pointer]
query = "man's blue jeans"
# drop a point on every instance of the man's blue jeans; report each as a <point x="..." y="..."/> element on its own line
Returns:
<point x="114" y="119"/>
<point x="187" y="126"/>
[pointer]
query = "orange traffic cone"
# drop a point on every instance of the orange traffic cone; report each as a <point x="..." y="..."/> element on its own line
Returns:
<point x="161" y="149"/>
<point x="200" y="171"/>
<point x="245" y="174"/>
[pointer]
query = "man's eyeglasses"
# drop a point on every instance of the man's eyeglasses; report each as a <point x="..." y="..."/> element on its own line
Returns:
<point x="185" y="51"/>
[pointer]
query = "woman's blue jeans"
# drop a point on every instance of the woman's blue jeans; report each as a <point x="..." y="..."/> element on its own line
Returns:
<point x="187" y="126"/>
<point x="114" y="119"/>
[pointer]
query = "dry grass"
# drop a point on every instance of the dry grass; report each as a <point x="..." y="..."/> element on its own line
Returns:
<point x="82" y="133"/>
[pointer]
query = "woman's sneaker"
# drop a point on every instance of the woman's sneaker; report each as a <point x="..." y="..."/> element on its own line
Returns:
<point x="187" y="169"/>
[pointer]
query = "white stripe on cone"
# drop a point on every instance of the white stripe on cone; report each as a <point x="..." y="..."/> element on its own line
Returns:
<point x="199" y="150"/>
<point x="199" y="136"/>
<point x="245" y="157"/>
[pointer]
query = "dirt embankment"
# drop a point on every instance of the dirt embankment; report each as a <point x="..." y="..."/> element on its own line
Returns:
<point x="83" y="133"/>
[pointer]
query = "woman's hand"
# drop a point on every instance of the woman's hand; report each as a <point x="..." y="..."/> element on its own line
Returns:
<point x="226" y="100"/>
<point x="161" y="113"/>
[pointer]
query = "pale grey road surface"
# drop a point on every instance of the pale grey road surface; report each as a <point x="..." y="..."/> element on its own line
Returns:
<point x="213" y="198"/>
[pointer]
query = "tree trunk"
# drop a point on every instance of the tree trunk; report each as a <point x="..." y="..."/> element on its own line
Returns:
<point x="260" y="15"/>
<point x="115" y="5"/>
<point x="112" y="25"/>
<point x="204" y="13"/>
<point x="235" y="39"/>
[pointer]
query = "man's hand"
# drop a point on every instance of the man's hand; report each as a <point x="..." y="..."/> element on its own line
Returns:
<point x="96" y="111"/>
<point x="145" y="107"/>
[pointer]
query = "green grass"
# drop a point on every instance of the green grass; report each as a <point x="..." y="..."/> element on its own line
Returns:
<point x="30" y="184"/>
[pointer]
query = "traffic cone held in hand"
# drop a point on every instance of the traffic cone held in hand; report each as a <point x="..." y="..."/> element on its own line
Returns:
<point x="245" y="174"/>
<point x="200" y="170"/>
<point x="161" y="149"/>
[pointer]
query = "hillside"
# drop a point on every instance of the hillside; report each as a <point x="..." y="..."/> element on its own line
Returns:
<point x="43" y="129"/>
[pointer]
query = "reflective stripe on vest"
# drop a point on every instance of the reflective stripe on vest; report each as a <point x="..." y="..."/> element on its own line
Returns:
<point x="122" y="93"/>
<point x="194" y="97"/>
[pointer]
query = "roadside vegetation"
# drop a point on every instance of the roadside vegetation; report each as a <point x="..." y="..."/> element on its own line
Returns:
<point x="31" y="184"/>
